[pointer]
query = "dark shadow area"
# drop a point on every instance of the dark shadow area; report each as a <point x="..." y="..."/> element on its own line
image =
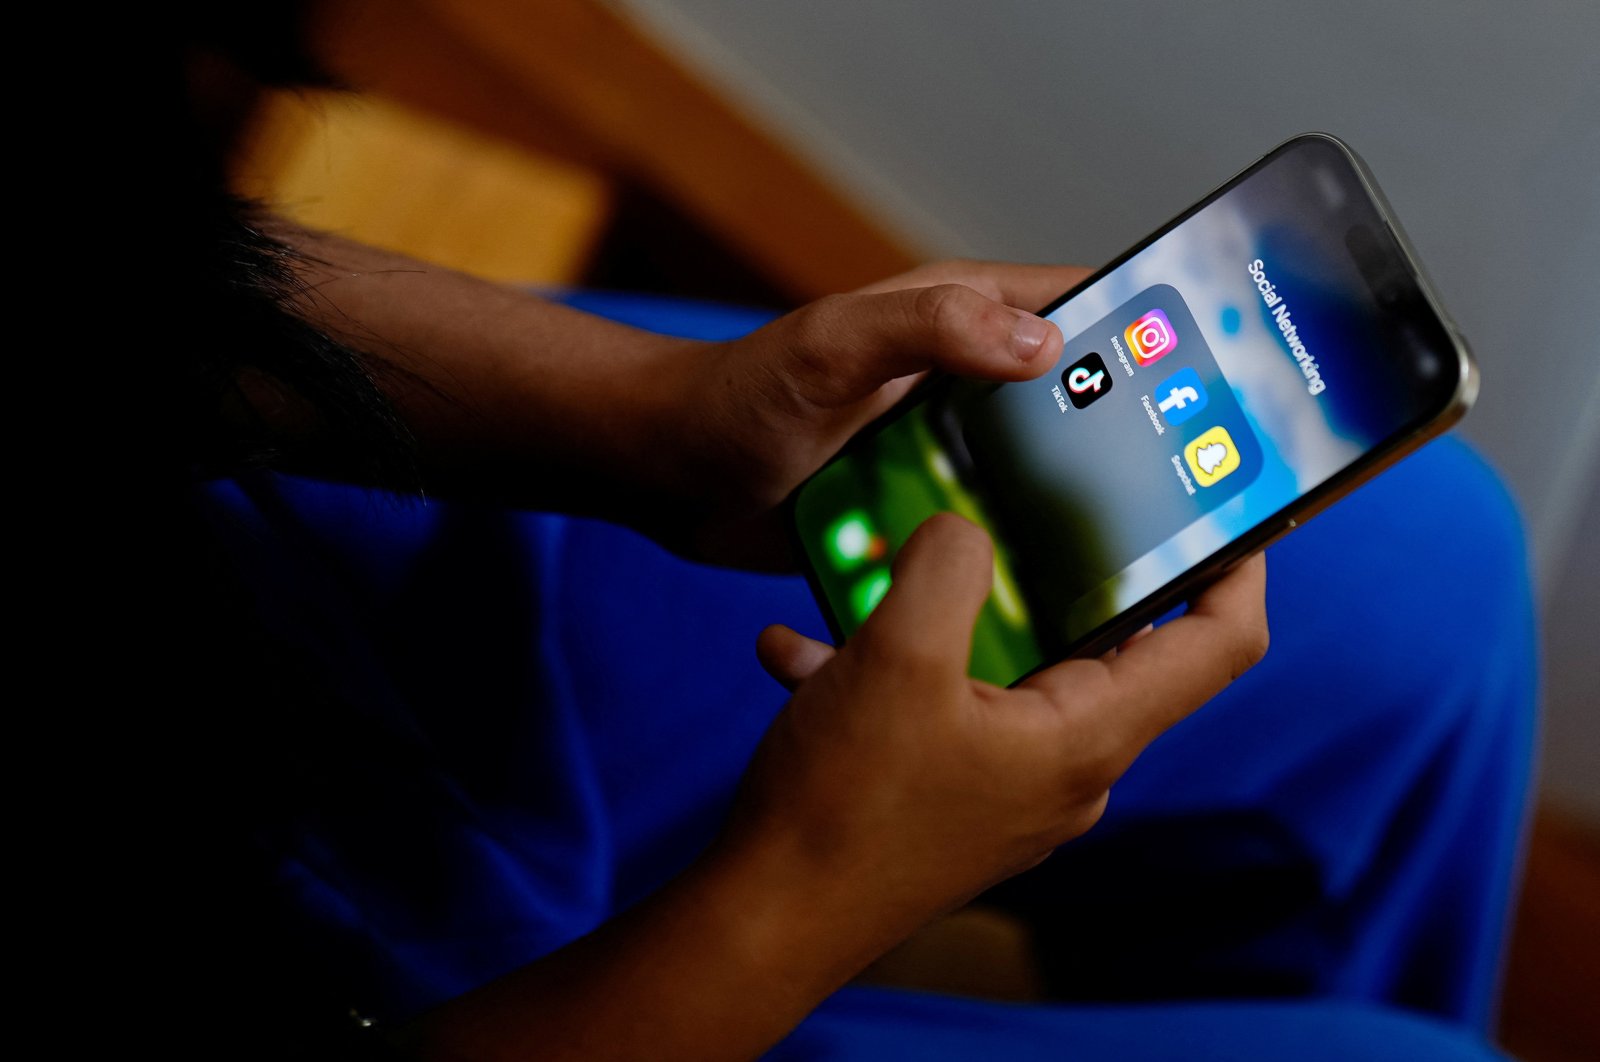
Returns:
<point x="1213" y="906"/>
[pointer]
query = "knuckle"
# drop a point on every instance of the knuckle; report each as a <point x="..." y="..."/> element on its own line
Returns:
<point x="1101" y="772"/>
<point x="817" y="320"/>
<point x="814" y="358"/>
<point x="1089" y="813"/>
<point x="1250" y="647"/>
<point x="1098" y="768"/>
<point x="941" y="308"/>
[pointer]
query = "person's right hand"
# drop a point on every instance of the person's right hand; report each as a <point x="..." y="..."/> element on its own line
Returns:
<point x="890" y="789"/>
<point x="900" y="785"/>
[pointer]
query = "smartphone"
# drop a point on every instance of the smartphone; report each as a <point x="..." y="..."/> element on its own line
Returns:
<point x="1251" y="361"/>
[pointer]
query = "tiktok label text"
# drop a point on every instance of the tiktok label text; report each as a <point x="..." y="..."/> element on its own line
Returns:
<point x="1291" y="335"/>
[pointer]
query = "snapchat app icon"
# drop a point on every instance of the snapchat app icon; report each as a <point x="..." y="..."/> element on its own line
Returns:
<point x="1212" y="457"/>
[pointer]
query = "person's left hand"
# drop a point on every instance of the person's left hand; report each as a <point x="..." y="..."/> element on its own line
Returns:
<point x="771" y="407"/>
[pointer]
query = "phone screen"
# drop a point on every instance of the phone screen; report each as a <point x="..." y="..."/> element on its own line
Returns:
<point x="1270" y="339"/>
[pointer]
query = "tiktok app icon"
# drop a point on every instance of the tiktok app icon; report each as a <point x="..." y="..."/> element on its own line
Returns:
<point x="1086" y="380"/>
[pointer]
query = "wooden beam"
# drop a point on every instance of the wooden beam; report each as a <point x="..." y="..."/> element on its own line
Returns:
<point x="405" y="180"/>
<point x="616" y="95"/>
<point x="403" y="50"/>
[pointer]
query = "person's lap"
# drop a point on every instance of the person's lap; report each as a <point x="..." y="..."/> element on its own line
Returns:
<point x="1341" y="823"/>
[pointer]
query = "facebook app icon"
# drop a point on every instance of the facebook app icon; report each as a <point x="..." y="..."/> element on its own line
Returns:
<point x="1180" y="396"/>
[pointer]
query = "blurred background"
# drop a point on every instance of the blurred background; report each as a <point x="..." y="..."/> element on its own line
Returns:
<point x="769" y="153"/>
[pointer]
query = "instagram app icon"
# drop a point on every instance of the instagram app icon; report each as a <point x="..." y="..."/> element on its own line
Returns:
<point x="1150" y="337"/>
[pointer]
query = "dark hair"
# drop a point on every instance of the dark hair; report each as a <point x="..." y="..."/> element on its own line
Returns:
<point x="245" y="283"/>
<point x="242" y="282"/>
<point x="170" y="706"/>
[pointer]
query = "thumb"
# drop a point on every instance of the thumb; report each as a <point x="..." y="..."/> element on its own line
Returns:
<point x="942" y="576"/>
<point x="845" y="347"/>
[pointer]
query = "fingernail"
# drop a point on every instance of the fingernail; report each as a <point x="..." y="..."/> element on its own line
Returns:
<point x="1028" y="335"/>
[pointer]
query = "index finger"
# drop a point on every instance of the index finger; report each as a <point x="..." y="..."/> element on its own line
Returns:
<point x="1165" y="675"/>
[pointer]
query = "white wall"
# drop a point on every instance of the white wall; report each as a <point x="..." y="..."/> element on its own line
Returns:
<point x="1063" y="132"/>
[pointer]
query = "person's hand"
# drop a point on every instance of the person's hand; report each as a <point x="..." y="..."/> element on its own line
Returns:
<point x="897" y="786"/>
<point x="512" y="399"/>
<point x="768" y="409"/>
